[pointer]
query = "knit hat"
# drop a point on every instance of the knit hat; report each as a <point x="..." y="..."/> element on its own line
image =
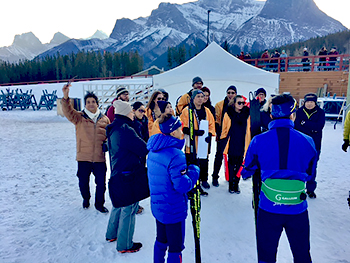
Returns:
<point x="232" y="87"/>
<point x="310" y="97"/>
<point x="260" y="90"/>
<point x="121" y="107"/>
<point x="283" y="106"/>
<point x="120" y="91"/>
<point x="170" y="124"/>
<point x="162" y="105"/>
<point x="196" y="79"/>
<point x="195" y="93"/>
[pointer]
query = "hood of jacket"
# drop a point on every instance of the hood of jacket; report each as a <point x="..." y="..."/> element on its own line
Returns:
<point x="161" y="141"/>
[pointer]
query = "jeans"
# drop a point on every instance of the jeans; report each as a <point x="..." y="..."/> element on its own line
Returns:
<point x="121" y="225"/>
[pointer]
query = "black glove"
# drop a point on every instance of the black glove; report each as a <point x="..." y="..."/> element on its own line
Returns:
<point x="345" y="145"/>
<point x="198" y="132"/>
<point x="208" y="138"/>
<point x="104" y="147"/>
<point x="186" y="130"/>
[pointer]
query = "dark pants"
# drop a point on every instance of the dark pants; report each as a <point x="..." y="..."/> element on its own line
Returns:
<point x="220" y="147"/>
<point x="312" y="184"/>
<point x="99" y="170"/>
<point x="269" y="230"/>
<point x="203" y="169"/>
<point x="172" y="234"/>
<point x="234" y="163"/>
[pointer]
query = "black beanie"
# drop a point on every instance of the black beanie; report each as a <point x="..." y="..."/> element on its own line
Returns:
<point x="260" y="90"/>
<point x="137" y="105"/>
<point x="232" y="87"/>
<point x="310" y="97"/>
<point x="196" y="79"/>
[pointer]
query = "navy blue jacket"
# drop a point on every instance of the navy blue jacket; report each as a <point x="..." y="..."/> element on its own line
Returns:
<point x="311" y="122"/>
<point x="169" y="178"/>
<point x="281" y="153"/>
<point x="128" y="183"/>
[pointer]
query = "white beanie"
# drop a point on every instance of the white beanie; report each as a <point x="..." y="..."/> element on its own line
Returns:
<point x="122" y="107"/>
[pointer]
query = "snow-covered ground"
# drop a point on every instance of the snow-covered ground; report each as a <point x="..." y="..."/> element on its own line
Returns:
<point x="42" y="219"/>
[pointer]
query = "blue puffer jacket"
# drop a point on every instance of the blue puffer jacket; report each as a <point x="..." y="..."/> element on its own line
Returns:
<point x="281" y="153"/>
<point x="169" y="178"/>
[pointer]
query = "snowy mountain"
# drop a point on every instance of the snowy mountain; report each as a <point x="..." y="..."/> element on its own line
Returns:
<point x="246" y="24"/>
<point x="99" y="35"/>
<point x="28" y="46"/>
<point x="282" y="22"/>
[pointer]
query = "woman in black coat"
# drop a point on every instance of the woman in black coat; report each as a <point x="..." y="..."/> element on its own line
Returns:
<point x="140" y="120"/>
<point x="128" y="183"/>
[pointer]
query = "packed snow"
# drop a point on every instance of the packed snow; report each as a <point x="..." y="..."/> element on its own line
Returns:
<point x="42" y="219"/>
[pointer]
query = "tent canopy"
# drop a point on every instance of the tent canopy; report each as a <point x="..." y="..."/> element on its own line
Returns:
<point x="218" y="70"/>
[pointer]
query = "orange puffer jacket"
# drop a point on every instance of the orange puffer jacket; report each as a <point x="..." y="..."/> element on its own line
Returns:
<point x="89" y="135"/>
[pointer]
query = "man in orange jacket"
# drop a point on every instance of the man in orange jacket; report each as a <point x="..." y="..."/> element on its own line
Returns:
<point x="197" y="84"/>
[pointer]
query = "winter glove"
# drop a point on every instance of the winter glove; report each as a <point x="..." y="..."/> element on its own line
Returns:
<point x="198" y="132"/>
<point x="208" y="138"/>
<point x="104" y="147"/>
<point x="345" y="145"/>
<point x="186" y="130"/>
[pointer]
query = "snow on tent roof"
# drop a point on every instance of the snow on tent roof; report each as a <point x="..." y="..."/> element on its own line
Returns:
<point x="218" y="70"/>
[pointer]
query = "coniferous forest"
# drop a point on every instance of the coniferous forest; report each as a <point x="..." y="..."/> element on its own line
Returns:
<point x="82" y="65"/>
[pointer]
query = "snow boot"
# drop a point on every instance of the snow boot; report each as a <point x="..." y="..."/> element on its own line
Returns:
<point x="159" y="252"/>
<point x="86" y="204"/>
<point x="215" y="181"/>
<point x="174" y="258"/>
<point x="202" y="192"/>
<point x="205" y="185"/>
<point x="311" y="195"/>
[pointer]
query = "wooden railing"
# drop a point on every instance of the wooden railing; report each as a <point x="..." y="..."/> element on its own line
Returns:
<point x="313" y="63"/>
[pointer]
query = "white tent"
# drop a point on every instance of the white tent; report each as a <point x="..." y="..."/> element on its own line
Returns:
<point x="218" y="70"/>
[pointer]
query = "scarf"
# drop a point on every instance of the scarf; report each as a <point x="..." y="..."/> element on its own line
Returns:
<point x="93" y="116"/>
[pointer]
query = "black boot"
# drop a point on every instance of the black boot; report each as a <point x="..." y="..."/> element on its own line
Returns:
<point x="86" y="204"/>
<point x="202" y="192"/>
<point x="215" y="181"/>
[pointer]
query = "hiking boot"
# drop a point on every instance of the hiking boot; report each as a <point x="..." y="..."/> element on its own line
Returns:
<point x="205" y="185"/>
<point x="111" y="240"/>
<point x="202" y="192"/>
<point x="140" y="210"/>
<point x="86" y="204"/>
<point x="215" y="182"/>
<point x="102" y="209"/>
<point x="135" y="247"/>
<point x="311" y="195"/>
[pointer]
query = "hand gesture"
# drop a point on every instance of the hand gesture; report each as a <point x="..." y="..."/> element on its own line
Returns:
<point x="65" y="90"/>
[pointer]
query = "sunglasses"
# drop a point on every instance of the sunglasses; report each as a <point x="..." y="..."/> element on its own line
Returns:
<point x="142" y="111"/>
<point x="240" y="102"/>
<point x="231" y="92"/>
<point x="160" y="99"/>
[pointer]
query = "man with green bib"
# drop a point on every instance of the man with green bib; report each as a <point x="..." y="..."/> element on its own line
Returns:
<point x="287" y="159"/>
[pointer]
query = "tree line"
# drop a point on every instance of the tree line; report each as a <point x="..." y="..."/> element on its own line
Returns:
<point x="82" y="64"/>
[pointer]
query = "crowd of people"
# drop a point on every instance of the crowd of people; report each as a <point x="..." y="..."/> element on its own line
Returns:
<point x="158" y="152"/>
<point x="327" y="61"/>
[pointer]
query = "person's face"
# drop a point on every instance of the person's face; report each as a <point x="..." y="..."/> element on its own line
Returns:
<point x="140" y="112"/>
<point x="124" y="96"/>
<point x="91" y="105"/>
<point x="239" y="104"/>
<point x="197" y="85"/>
<point x="198" y="100"/>
<point x="177" y="133"/>
<point x="168" y="109"/>
<point x="158" y="98"/>
<point x="206" y="96"/>
<point x="310" y="105"/>
<point x="231" y="94"/>
<point x="261" y="96"/>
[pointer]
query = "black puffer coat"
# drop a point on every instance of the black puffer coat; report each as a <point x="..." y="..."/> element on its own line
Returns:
<point x="128" y="183"/>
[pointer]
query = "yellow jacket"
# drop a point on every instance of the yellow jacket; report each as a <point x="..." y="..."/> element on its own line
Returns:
<point x="346" y="134"/>
<point x="182" y="103"/>
<point x="185" y="120"/>
<point x="226" y="125"/>
<point x="218" y="111"/>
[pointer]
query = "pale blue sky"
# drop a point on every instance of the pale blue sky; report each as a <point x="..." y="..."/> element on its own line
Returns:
<point x="81" y="18"/>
